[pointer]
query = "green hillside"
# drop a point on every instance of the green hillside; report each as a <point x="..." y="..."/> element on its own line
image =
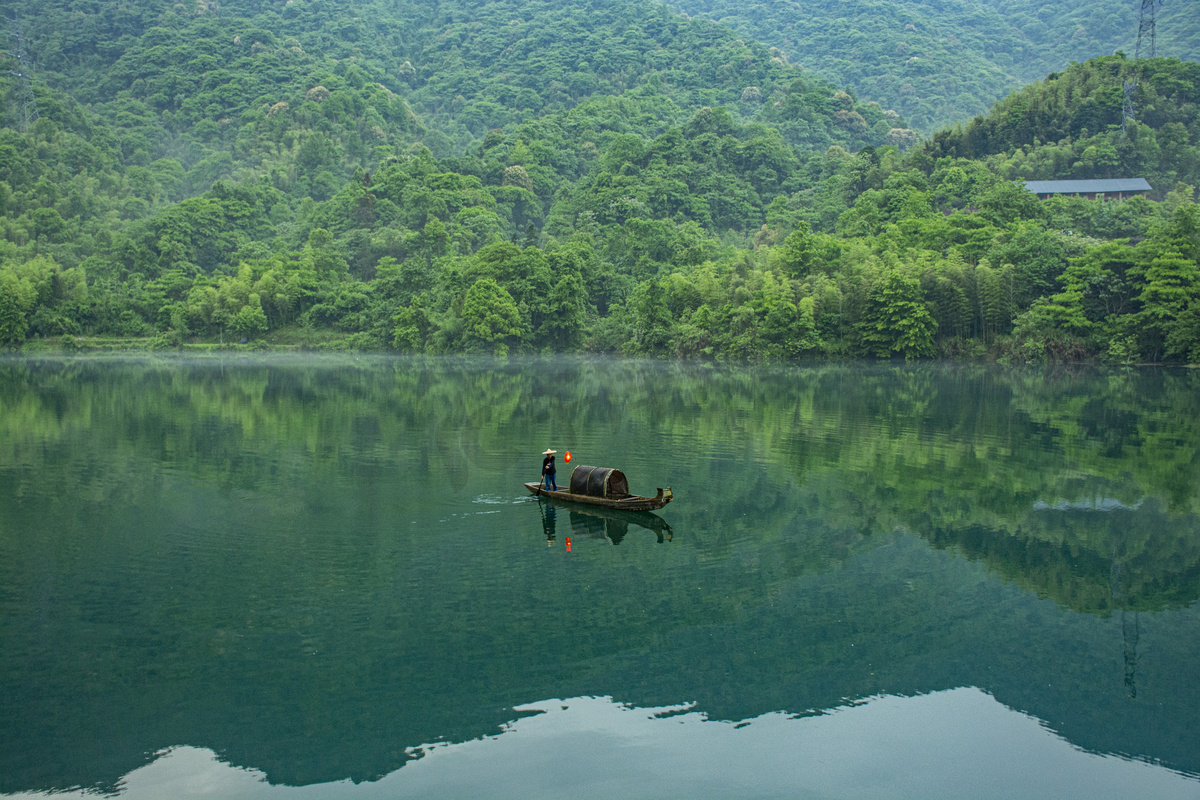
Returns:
<point x="939" y="63"/>
<point x="251" y="79"/>
<point x="522" y="178"/>
<point x="1069" y="125"/>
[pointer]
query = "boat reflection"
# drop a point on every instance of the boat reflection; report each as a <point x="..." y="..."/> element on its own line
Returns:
<point x="601" y="523"/>
<point x="549" y="522"/>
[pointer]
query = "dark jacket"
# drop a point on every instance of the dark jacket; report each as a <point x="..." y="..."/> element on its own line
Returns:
<point x="548" y="465"/>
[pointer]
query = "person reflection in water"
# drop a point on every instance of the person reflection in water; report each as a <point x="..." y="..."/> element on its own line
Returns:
<point x="548" y="481"/>
<point x="548" y="524"/>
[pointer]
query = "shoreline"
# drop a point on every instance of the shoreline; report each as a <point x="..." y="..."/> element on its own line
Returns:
<point x="343" y="346"/>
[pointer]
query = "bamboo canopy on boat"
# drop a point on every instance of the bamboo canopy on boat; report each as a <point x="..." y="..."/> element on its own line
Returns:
<point x="599" y="482"/>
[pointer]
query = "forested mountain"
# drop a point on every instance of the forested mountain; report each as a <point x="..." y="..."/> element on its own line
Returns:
<point x="216" y="77"/>
<point x="1069" y="125"/>
<point x="941" y="62"/>
<point x="451" y="177"/>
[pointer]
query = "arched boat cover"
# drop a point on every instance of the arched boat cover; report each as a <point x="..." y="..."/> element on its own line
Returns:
<point x="599" y="482"/>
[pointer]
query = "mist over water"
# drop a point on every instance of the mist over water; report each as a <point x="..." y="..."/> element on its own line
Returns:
<point x="270" y="573"/>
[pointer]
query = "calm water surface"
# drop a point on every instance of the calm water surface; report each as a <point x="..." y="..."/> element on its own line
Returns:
<point x="323" y="578"/>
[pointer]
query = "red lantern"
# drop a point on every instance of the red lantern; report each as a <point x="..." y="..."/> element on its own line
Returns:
<point x="567" y="457"/>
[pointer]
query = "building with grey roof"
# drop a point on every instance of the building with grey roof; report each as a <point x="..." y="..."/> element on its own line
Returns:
<point x="1109" y="189"/>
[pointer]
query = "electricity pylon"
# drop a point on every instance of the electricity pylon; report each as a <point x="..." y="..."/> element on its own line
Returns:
<point x="27" y="112"/>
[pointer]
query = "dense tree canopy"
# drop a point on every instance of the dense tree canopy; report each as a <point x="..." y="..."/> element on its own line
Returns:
<point x="520" y="177"/>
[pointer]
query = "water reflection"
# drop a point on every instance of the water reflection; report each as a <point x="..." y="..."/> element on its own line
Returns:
<point x="1094" y="556"/>
<point x="958" y="743"/>
<point x="310" y="567"/>
<point x="610" y="525"/>
<point x="549" y="522"/>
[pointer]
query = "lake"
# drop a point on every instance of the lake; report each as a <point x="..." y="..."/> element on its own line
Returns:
<point x="321" y="577"/>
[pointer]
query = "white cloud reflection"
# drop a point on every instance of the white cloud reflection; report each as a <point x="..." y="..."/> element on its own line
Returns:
<point x="953" y="744"/>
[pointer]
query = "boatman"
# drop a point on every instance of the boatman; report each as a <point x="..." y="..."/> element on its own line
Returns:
<point x="548" y="481"/>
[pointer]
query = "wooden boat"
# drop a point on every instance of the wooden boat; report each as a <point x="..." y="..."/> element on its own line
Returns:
<point x="603" y="487"/>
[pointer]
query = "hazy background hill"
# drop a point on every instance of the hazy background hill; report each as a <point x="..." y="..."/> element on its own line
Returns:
<point x="147" y="103"/>
<point x="941" y="62"/>
<point x="461" y="68"/>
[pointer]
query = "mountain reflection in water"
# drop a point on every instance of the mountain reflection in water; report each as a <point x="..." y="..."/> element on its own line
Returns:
<point x="959" y="743"/>
<point x="312" y="567"/>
